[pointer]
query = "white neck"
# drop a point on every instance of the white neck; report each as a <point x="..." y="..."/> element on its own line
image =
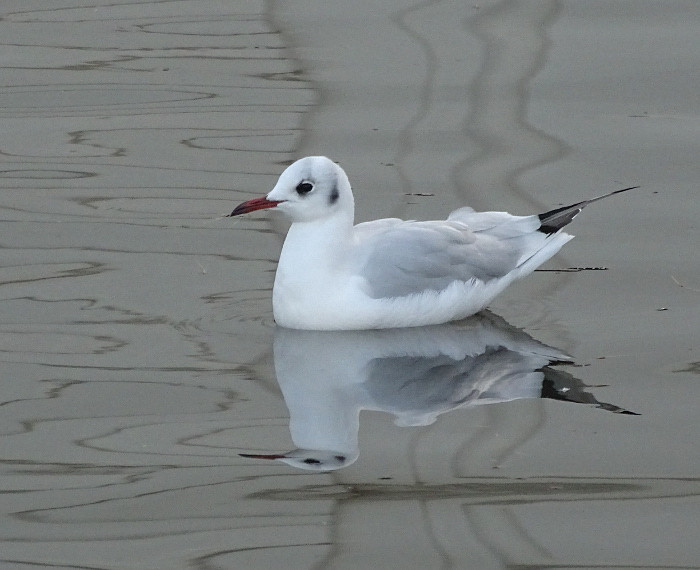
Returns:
<point x="313" y="263"/>
<point x="318" y="245"/>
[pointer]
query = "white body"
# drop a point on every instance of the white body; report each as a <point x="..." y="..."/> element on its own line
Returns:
<point x="333" y="275"/>
<point x="320" y="284"/>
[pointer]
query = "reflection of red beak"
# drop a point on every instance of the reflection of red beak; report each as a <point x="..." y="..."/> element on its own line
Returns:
<point x="263" y="455"/>
<point x="254" y="204"/>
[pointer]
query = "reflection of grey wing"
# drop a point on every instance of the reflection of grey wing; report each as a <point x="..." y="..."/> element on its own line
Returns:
<point x="411" y="257"/>
<point x="405" y="383"/>
<point x="419" y="389"/>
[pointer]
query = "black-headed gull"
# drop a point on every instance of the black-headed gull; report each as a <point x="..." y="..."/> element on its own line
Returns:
<point x="416" y="374"/>
<point x="333" y="275"/>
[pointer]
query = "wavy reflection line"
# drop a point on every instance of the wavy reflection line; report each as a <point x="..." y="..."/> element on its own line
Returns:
<point x="428" y="86"/>
<point x="498" y="101"/>
<point x="83" y="269"/>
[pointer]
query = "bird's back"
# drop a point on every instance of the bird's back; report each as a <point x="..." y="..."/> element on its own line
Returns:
<point x="405" y="258"/>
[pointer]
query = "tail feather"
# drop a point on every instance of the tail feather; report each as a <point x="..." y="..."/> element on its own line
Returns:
<point x="556" y="219"/>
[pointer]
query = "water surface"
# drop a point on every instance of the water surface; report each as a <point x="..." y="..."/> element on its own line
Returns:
<point x="139" y="355"/>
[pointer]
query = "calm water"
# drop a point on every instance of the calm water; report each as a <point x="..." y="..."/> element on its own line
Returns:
<point x="139" y="355"/>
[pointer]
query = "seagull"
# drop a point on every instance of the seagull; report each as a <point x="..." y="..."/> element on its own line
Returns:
<point x="417" y="374"/>
<point x="391" y="273"/>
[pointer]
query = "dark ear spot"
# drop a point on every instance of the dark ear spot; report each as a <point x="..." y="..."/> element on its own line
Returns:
<point x="333" y="198"/>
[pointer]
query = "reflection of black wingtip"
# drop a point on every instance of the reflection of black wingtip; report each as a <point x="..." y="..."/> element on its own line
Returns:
<point x="616" y="409"/>
<point x="562" y="386"/>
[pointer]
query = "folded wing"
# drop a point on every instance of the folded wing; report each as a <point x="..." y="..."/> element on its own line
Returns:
<point x="404" y="258"/>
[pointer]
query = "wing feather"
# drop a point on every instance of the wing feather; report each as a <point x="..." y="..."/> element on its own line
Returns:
<point x="404" y="258"/>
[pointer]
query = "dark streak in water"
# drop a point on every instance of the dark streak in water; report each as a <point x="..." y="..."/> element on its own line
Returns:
<point x="45" y="174"/>
<point x="88" y="268"/>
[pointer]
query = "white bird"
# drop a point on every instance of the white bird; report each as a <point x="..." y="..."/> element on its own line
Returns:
<point x="390" y="273"/>
<point x="416" y="374"/>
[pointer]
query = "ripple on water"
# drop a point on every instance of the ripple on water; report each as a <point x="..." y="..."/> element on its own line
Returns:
<point x="30" y="272"/>
<point x="82" y="100"/>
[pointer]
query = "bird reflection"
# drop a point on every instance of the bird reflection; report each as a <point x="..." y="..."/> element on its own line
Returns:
<point x="416" y="374"/>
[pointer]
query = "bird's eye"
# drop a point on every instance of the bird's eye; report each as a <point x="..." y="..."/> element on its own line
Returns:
<point x="304" y="188"/>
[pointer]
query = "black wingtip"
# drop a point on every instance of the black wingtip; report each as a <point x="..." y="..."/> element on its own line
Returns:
<point x="616" y="192"/>
<point x="554" y="220"/>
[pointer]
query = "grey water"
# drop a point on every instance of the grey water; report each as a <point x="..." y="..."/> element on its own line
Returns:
<point x="138" y="354"/>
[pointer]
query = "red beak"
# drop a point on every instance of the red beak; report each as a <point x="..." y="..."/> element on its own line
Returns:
<point x="263" y="455"/>
<point x="254" y="204"/>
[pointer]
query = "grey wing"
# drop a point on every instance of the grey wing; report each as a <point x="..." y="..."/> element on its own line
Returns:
<point x="411" y="257"/>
